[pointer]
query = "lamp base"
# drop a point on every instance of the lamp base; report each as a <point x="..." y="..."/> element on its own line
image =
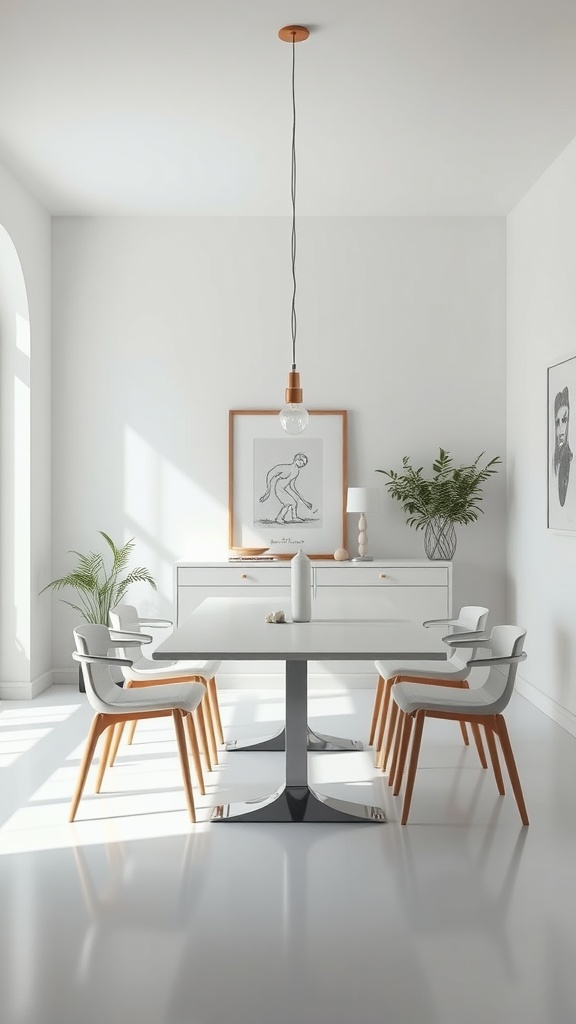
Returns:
<point x="362" y="558"/>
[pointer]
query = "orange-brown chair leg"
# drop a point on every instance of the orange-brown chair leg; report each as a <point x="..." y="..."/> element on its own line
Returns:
<point x="464" y="732"/>
<point x="376" y="711"/>
<point x="109" y="733"/>
<point x="214" y="704"/>
<point x="195" y="750"/>
<point x="131" y="731"/>
<point x="203" y="738"/>
<point x="118" y="730"/>
<point x="210" y="728"/>
<point x="500" y="728"/>
<point x="395" y="748"/>
<point x="383" y="722"/>
<point x="99" y="724"/>
<point x="402" y="753"/>
<point x="492" y="750"/>
<point x="412" y="765"/>
<point x="184" y="763"/>
<point x="390" y="730"/>
<point x="479" y="745"/>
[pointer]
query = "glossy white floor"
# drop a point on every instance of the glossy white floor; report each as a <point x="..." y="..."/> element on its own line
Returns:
<point x="132" y="914"/>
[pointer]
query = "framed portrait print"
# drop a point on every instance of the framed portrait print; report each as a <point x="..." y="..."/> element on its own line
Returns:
<point x="561" y="472"/>
<point x="286" y="492"/>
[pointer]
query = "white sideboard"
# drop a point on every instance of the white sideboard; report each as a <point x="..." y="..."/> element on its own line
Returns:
<point x="385" y="589"/>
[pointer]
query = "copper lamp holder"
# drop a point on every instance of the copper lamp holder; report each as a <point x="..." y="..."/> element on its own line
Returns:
<point x="293" y="393"/>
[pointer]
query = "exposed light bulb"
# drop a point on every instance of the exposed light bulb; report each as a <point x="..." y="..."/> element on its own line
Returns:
<point x="294" y="418"/>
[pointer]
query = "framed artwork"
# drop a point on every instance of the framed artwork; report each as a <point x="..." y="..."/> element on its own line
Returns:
<point x="287" y="493"/>
<point x="561" y="473"/>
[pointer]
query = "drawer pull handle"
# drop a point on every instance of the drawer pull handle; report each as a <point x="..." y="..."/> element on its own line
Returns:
<point x="382" y="575"/>
<point x="244" y="576"/>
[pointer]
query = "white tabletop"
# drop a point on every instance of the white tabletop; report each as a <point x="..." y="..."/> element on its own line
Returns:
<point x="223" y="628"/>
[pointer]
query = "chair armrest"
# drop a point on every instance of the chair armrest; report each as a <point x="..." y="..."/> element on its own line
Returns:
<point x="498" y="661"/>
<point x="474" y="639"/>
<point x="101" y="657"/>
<point x="159" y="623"/>
<point x="440" y="622"/>
<point x="129" y="639"/>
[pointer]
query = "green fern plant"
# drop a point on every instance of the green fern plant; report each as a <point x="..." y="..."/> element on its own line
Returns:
<point x="452" y="493"/>
<point x="100" y="588"/>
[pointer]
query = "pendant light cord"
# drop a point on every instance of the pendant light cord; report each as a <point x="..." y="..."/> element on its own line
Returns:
<point x="293" y="196"/>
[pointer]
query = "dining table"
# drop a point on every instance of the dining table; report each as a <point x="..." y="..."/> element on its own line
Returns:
<point x="237" y="629"/>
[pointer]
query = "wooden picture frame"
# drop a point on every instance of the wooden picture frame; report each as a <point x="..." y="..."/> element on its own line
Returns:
<point x="561" y="502"/>
<point x="287" y="493"/>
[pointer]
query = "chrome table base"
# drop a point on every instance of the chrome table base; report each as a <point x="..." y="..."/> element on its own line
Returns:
<point x="297" y="801"/>
<point x="316" y="741"/>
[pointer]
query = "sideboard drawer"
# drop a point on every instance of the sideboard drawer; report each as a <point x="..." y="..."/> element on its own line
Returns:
<point x="382" y="576"/>
<point x="235" y="576"/>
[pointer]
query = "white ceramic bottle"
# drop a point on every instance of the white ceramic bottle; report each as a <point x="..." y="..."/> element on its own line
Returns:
<point x="301" y="587"/>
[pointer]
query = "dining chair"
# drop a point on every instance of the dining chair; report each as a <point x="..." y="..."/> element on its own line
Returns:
<point x="471" y="619"/>
<point x="145" y="672"/>
<point x="115" y="705"/>
<point x="481" y="706"/>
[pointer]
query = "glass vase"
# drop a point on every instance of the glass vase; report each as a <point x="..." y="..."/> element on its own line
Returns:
<point x="439" y="538"/>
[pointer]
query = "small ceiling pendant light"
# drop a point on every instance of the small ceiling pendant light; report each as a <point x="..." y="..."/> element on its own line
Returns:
<point x="293" y="417"/>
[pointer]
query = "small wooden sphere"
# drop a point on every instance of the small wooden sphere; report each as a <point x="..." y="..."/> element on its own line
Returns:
<point x="341" y="555"/>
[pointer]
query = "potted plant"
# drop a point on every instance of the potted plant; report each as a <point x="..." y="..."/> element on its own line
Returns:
<point x="100" y="587"/>
<point x="452" y="494"/>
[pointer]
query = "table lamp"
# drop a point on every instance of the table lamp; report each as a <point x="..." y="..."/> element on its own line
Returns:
<point x="363" y="500"/>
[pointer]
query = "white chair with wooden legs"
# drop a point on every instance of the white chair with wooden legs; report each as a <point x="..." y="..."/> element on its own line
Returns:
<point x="144" y="672"/>
<point x="116" y="705"/>
<point x="471" y="619"/>
<point x="479" y="706"/>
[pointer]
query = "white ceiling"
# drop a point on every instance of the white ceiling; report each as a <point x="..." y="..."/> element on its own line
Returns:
<point x="405" y="107"/>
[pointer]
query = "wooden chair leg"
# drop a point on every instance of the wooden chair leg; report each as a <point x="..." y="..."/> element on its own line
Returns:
<point x="500" y="728"/>
<point x="108" y="734"/>
<point x="99" y="724"/>
<point x="195" y="750"/>
<point x="210" y="728"/>
<point x="479" y="745"/>
<point x="213" y="698"/>
<point x="203" y="738"/>
<point x="402" y="753"/>
<point x="118" y="730"/>
<point x="184" y="763"/>
<point x="131" y="731"/>
<point x="376" y="711"/>
<point x="464" y="732"/>
<point x="381" y="730"/>
<point x="412" y="765"/>
<point x="492" y="750"/>
<point x="395" y="748"/>
<point x="390" y="730"/>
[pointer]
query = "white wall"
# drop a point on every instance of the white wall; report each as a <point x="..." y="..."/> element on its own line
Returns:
<point x="160" y="326"/>
<point x="541" y="331"/>
<point x="25" y="503"/>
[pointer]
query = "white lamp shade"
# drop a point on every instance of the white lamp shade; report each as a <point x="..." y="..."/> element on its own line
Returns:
<point x="363" y="499"/>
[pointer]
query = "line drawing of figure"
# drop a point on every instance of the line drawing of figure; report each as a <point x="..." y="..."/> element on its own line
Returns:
<point x="281" y="479"/>
<point x="562" y="452"/>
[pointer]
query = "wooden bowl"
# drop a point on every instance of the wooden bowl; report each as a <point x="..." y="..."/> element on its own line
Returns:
<point x="250" y="552"/>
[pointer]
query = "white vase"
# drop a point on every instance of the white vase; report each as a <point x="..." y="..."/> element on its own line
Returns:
<point x="301" y="587"/>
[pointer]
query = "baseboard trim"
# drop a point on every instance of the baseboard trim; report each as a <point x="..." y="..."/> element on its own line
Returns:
<point x="25" y="689"/>
<point x="540" y="700"/>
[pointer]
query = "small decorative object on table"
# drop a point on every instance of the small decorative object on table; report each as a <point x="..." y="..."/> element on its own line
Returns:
<point x="276" y="617"/>
<point x="301" y="587"/>
<point x="450" y="496"/>
<point x="341" y="555"/>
